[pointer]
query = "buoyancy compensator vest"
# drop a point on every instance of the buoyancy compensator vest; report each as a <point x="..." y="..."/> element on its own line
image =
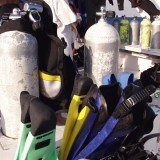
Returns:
<point x="56" y="70"/>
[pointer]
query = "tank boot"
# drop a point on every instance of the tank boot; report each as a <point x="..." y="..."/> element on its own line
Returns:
<point x="84" y="111"/>
<point x="117" y="122"/>
<point x="40" y="142"/>
<point x="80" y="90"/>
<point x="25" y="100"/>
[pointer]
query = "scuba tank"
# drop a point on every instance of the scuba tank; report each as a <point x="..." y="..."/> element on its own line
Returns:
<point x="124" y="31"/>
<point x="134" y="32"/>
<point x="145" y="31"/>
<point x="116" y="24"/>
<point x="101" y="49"/>
<point x="155" y="34"/>
<point x="19" y="68"/>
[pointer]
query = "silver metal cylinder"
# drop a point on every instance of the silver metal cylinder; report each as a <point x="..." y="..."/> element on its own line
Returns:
<point x="116" y="24"/>
<point x="155" y="34"/>
<point x="19" y="72"/>
<point x="134" y="32"/>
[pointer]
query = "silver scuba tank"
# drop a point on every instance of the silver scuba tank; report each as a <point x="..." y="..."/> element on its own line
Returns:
<point x="134" y="32"/>
<point x="116" y="24"/>
<point x="19" y="72"/>
<point x="155" y="34"/>
<point x="101" y="49"/>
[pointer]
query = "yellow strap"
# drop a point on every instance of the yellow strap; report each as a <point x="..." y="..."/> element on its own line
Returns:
<point x="48" y="77"/>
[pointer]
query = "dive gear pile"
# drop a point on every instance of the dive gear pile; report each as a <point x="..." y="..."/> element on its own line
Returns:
<point x="104" y="121"/>
<point x="117" y="117"/>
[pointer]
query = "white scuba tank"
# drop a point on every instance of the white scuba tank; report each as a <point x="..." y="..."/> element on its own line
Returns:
<point x="101" y="50"/>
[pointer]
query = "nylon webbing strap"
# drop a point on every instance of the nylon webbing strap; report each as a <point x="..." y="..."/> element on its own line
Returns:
<point x="85" y="130"/>
<point x="103" y="135"/>
<point x="103" y="149"/>
<point x="83" y="135"/>
<point x="127" y="105"/>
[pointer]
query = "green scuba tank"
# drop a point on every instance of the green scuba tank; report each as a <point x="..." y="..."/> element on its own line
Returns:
<point x="124" y="31"/>
<point x="145" y="33"/>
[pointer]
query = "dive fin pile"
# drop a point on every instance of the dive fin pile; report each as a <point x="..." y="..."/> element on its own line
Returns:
<point x="104" y="122"/>
<point x="109" y="117"/>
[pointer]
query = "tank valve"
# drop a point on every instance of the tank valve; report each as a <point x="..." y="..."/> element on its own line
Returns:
<point x="102" y="13"/>
<point x="15" y="14"/>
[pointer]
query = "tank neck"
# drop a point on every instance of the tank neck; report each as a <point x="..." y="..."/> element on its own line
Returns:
<point x="135" y="18"/>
